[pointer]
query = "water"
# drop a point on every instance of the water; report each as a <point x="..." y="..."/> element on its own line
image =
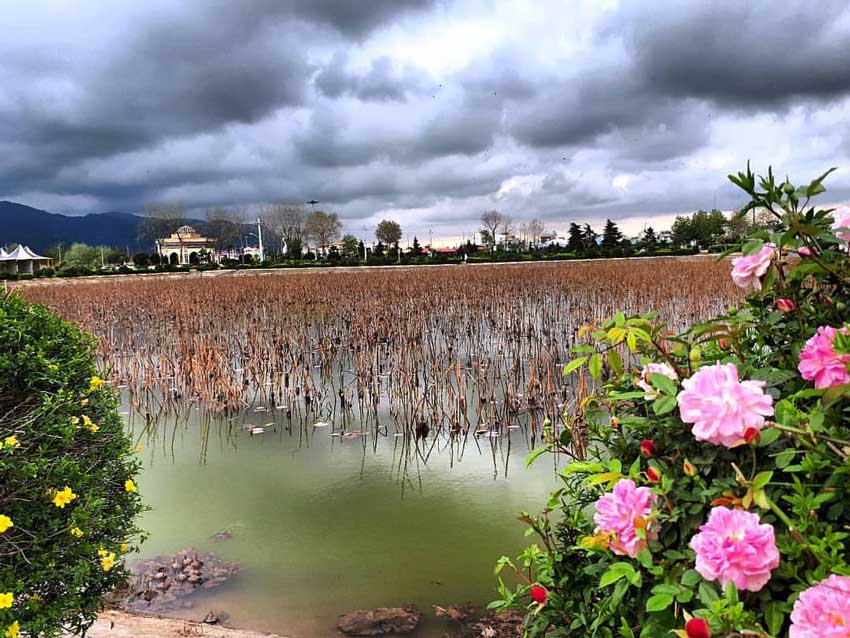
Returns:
<point x="324" y="524"/>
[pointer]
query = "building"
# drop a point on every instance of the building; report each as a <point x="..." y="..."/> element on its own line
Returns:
<point x="22" y="260"/>
<point x="186" y="246"/>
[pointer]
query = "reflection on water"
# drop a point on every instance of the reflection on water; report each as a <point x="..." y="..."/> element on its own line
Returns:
<point x="324" y="523"/>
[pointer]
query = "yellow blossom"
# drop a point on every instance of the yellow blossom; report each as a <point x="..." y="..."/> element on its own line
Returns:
<point x="130" y="486"/>
<point x="86" y="421"/>
<point x="13" y="631"/>
<point x="5" y="523"/>
<point x="124" y="548"/>
<point x="76" y="532"/>
<point x="63" y="497"/>
<point x="140" y="447"/>
<point x="107" y="559"/>
<point x="92" y="428"/>
<point x="6" y="600"/>
<point x="95" y="383"/>
<point x="11" y="441"/>
<point x="74" y="420"/>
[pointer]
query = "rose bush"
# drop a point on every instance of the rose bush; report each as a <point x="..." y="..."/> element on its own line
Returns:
<point x="67" y="510"/>
<point x="705" y="486"/>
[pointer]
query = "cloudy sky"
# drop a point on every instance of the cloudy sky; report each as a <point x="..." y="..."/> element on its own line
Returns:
<point x="427" y="112"/>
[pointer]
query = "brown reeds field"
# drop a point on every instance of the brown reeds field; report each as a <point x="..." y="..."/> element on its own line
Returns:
<point x="453" y="346"/>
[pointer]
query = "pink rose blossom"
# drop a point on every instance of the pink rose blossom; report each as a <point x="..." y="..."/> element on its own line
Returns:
<point x="823" y="611"/>
<point x="621" y="513"/>
<point x="747" y="271"/>
<point x="805" y="251"/>
<point x="842" y="220"/>
<point x="721" y="407"/>
<point x="820" y="363"/>
<point x="655" y="368"/>
<point x="785" y="305"/>
<point x="733" y="546"/>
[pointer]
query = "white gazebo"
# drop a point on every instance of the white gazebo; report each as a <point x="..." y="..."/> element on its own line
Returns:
<point x="22" y="260"/>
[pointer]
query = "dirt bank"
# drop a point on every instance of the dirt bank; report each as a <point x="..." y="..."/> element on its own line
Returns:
<point x="116" y="624"/>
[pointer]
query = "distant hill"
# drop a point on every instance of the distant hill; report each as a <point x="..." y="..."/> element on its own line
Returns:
<point x="40" y="229"/>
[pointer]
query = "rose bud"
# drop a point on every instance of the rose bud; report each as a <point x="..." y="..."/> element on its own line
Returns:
<point x="752" y="435"/>
<point x="723" y="343"/>
<point x="697" y="628"/>
<point x="539" y="594"/>
<point x="689" y="468"/>
<point x="785" y="305"/>
<point x="647" y="448"/>
<point x="653" y="475"/>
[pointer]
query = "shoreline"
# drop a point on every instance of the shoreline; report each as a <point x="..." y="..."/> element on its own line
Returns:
<point x="121" y="624"/>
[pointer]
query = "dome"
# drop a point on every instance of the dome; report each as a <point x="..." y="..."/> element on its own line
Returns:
<point x="185" y="230"/>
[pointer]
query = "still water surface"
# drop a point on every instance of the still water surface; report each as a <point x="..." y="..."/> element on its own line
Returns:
<point x="324" y="524"/>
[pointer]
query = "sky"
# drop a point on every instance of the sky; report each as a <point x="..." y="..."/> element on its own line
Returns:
<point x="427" y="112"/>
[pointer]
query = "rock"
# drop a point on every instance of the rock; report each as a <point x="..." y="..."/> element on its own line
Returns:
<point x="471" y="622"/>
<point x="381" y="621"/>
<point x="211" y="618"/>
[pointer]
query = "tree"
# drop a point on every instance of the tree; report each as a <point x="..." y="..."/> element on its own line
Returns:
<point x="649" y="240"/>
<point x="322" y="228"/>
<point x="611" y="235"/>
<point x="491" y="221"/>
<point x="141" y="260"/>
<point x="702" y="228"/>
<point x="535" y="228"/>
<point x="575" y="238"/>
<point x="221" y="226"/>
<point x="416" y="250"/>
<point x="588" y="237"/>
<point x="350" y="247"/>
<point x="68" y="500"/>
<point x="388" y="232"/>
<point x="81" y="255"/>
<point x="288" y="222"/>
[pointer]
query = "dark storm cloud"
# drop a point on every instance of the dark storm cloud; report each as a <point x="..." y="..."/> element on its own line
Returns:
<point x="382" y="83"/>
<point x="747" y="53"/>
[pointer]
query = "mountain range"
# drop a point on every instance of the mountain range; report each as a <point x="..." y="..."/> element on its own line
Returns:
<point x="40" y="229"/>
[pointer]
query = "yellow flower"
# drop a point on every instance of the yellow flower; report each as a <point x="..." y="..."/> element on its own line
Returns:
<point x="92" y="428"/>
<point x="13" y="631"/>
<point x="11" y="441"/>
<point x="86" y="421"/>
<point x="74" y="420"/>
<point x="95" y="383"/>
<point x="6" y="600"/>
<point x="107" y="559"/>
<point x="63" y="497"/>
<point x="76" y="532"/>
<point x="124" y="548"/>
<point x="130" y="486"/>
<point x="5" y="523"/>
<point x="140" y="447"/>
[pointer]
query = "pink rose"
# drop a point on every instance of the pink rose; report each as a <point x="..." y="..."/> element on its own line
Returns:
<point x="747" y="271"/>
<point x="655" y="368"/>
<point x="805" y="251"/>
<point x="820" y="363"/>
<point x="822" y="611"/>
<point x="621" y="512"/>
<point x="785" y="305"/>
<point x="733" y="546"/>
<point x="842" y="220"/>
<point x="721" y="407"/>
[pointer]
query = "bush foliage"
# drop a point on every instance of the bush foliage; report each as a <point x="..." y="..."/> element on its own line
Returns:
<point x="792" y="471"/>
<point x="67" y="496"/>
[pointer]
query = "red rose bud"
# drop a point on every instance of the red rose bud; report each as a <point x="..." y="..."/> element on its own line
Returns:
<point x="697" y="628"/>
<point x="539" y="594"/>
<point x="723" y="343"/>
<point x="653" y="475"/>
<point x="752" y="435"/>
<point x="647" y="448"/>
<point x="785" y="305"/>
<point x="689" y="468"/>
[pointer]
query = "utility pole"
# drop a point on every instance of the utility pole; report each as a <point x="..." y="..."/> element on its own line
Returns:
<point x="365" y="258"/>
<point x="260" y="238"/>
<point x="101" y="257"/>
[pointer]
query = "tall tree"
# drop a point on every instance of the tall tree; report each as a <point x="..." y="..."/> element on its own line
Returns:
<point x="491" y="221"/>
<point x="611" y="235"/>
<point x="287" y="221"/>
<point x="388" y="232"/>
<point x="221" y="226"/>
<point x="535" y="228"/>
<point x="322" y="228"/>
<point x="349" y="247"/>
<point x="649" y="240"/>
<point x="588" y="236"/>
<point x="159" y="221"/>
<point x="575" y="238"/>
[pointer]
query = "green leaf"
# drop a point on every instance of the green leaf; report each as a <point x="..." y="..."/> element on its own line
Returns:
<point x="659" y="602"/>
<point x="663" y="383"/>
<point x="816" y="187"/>
<point x="615" y="362"/>
<point x="784" y="458"/>
<point x="690" y="578"/>
<point x="707" y="594"/>
<point x="535" y="453"/>
<point x="774" y="617"/>
<point x="595" y="366"/>
<point x="573" y="365"/>
<point x="752" y="247"/>
<point x="664" y="405"/>
<point x="761" y="479"/>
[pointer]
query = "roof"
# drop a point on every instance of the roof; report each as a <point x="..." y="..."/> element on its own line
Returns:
<point x="185" y="230"/>
<point x="21" y="253"/>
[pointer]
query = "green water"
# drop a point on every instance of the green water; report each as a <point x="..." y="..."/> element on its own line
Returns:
<point x="325" y="524"/>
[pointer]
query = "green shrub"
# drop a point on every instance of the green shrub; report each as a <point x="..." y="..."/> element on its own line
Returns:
<point x="791" y="472"/>
<point x="67" y="500"/>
